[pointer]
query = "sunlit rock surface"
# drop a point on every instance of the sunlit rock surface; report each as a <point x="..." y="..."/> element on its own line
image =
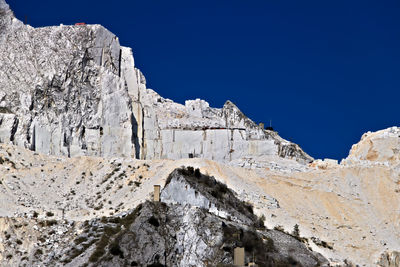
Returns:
<point x="83" y="142"/>
<point x="74" y="90"/>
<point x="381" y="146"/>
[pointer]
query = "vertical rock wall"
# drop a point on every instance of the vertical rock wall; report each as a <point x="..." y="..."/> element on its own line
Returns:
<point x="61" y="90"/>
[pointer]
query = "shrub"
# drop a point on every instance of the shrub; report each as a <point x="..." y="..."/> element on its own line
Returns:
<point x="197" y="173"/>
<point x="249" y="208"/>
<point x="80" y="239"/>
<point x="99" y="207"/>
<point x="38" y="252"/>
<point x="51" y="222"/>
<point x="103" y="242"/>
<point x="49" y="214"/>
<point x="115" y="250"/>
<point x="259" y="223"/>
<point x="153" y="221"/>
<point x="190" y="170"/>
<point x="270" y="245"/>
<point x="296" y="231"/>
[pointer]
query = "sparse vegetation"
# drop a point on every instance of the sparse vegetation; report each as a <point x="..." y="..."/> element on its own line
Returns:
<point x="153" y="221"/>
<point x="110" y="232"/>
<point x="296" y="231"/>
<point x="321" y="243"/>
<point x="7" y="160"/>
<point x="80" y="239"/>
<point x="111" y="174"/>
<point x="7" y="236"/>
<point x="115" y="250"/>
<point x="249" y="239"/>
<point x="47" y="223"/>
<point x="99" y="207"/>
<point x="217" y="190"/>
<point x="197" y="173"/>
<point x="38" y="252"/>
<point x="49" y="214"/>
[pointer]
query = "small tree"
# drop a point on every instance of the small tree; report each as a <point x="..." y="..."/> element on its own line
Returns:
<point x="296" y="230"/>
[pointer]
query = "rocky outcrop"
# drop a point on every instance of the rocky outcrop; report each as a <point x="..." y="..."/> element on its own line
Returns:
<point x="381" y="146"/>
<point x="74" y="90"/>
<point x="195" y="130"/>
<point x="178" y="231"/>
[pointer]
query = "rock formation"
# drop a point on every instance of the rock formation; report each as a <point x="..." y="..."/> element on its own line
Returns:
<point x="381" y="146"/>
<point x="179" y="231"/>
<point x="74" y="90"/>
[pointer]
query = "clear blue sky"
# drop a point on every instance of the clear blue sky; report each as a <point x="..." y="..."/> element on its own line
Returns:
<point x="324" y="71"/>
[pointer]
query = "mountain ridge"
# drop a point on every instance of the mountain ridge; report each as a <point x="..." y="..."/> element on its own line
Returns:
<point x="66" y="93"/>
<point x="83" y="142"/>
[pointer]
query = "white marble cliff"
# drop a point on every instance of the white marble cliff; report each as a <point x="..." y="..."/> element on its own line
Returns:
<point x="74" y="90"/>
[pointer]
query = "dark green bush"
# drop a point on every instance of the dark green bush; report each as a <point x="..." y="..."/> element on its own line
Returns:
<point x="49" y="214"/>
<point x="153" y="221"/>
<point x="197" y="173"/>
<point x="115" y="250"/>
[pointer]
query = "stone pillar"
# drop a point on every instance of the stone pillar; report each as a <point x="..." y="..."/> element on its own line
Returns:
<point x="238" y="256"/>
<point x="157" y="189"/>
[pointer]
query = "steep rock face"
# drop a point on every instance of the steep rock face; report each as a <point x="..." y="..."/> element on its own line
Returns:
<point x="195" y="130"/>
<point x="60" y="90"/>
<point x="73" y="90"/>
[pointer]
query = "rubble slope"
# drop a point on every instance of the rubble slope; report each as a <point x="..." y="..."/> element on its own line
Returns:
<point x="347" y="211"/>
